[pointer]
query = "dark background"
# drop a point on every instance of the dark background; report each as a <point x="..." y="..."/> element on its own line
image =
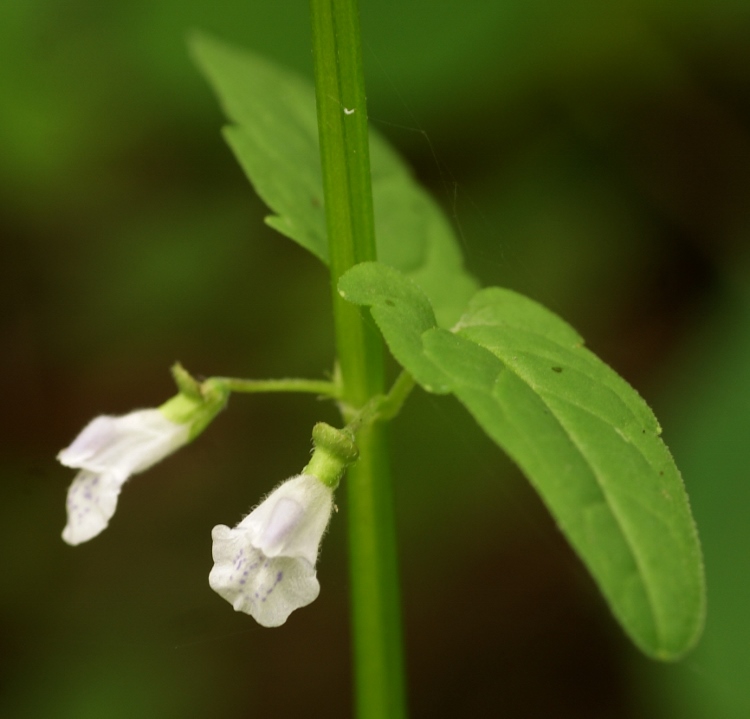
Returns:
<point x="596" y="158"/>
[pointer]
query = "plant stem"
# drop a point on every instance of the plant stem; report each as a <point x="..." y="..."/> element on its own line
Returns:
<point x="344" y="149"/>
<point x="311" y="386"/>
<point x="397" y="395"/>
<point x="383" y="407"/>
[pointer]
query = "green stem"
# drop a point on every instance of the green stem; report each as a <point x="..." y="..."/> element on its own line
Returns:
<point x="312" y="386"/>
<point x="397" y="395"/>
<point x="383" y="407"/>
<point x="344" y="149"/>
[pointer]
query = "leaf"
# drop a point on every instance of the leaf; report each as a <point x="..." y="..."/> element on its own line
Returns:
<point x="402" y="312"/>
<point x="274" y="136"/>
<point x="585" y="439"/>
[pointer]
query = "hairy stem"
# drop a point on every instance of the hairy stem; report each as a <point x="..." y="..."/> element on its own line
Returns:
<point x="323" y="388"/>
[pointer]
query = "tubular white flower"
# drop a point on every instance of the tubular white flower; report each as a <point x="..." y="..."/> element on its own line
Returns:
<point x="265" y="566"/>
<point x="108" y="451"/>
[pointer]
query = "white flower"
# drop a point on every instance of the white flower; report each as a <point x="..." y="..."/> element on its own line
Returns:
<point x="108" y="451"/>
<point x="265" y="566"/>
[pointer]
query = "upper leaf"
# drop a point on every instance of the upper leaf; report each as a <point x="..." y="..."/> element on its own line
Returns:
<point x="585" y="439"/>
<point x="274" y="136"/>
<point x="403" y="314"/>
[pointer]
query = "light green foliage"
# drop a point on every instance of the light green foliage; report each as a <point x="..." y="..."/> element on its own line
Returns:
<point x="274" y="136"/>
<point x="585" y="439"/>
<point x="403" y="314"/>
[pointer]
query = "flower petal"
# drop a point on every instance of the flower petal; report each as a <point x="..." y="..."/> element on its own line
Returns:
<point x="285" y="516"/>
<point x="267" y="588"/>
<point x="128" y="444"/>
<point x="92" y="499"/>
<point x="302" y="537"/>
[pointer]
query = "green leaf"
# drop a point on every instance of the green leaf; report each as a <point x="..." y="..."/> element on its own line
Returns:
<point x="585" y="439"/>
<point x="274" y="136"/>
<point x="403" y="314"/>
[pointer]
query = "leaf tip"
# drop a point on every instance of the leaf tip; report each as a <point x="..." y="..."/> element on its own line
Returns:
<point x="197" y="41"/>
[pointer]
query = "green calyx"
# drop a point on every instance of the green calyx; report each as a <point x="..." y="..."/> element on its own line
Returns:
<point x="334" y="451"/>
<point x="197" y="403"/>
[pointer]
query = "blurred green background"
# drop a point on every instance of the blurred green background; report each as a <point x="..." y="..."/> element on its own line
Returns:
<point x="594" y="156"/>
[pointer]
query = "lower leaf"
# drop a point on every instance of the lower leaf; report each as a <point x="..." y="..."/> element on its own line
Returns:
<point x="585" y="439"/>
